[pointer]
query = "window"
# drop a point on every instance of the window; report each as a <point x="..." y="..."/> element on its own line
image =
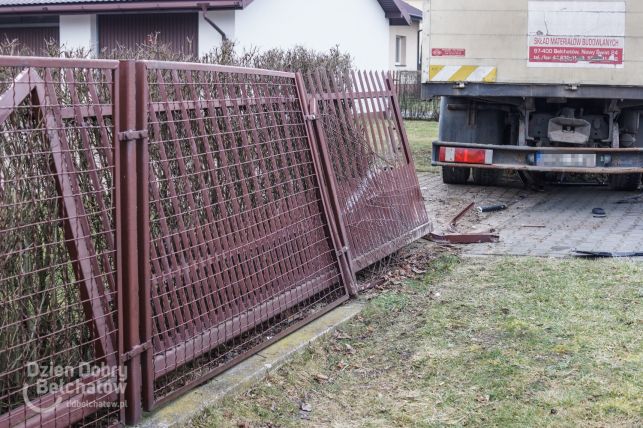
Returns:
<point x="400" y="50"/>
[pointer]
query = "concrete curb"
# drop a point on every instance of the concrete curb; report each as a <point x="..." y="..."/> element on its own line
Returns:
<point x="247" y="373"/>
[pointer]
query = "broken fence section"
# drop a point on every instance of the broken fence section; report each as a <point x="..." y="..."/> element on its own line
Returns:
<point x="360" y="124"/>
<point x="163" y="221"/>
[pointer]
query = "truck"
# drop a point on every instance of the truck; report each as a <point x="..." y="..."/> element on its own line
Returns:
<point x="542" y="87"/>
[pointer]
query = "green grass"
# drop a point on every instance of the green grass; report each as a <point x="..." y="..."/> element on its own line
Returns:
<point x="483" y="342"/>
<point x="422" y="134"/>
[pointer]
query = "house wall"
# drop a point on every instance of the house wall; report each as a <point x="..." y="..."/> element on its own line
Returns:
<point x="209" y="38"/>
<point x="178" y="30"/>
<point x="411" y="34"/>
<point x="33" y="39"/>
<point x="79" y="32"/>
<point x="359" y="27"/>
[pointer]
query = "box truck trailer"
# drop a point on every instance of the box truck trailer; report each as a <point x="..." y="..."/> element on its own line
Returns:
<point x="536" y="86"/>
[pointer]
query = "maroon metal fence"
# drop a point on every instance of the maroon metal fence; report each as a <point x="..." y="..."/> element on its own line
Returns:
<point x="159" y="222"/>
<point x="240" y="247"/>
<point x="360" y="124"/>
<point x="58" y="254"/>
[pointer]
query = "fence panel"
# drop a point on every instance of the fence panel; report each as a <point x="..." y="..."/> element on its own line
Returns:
<point x="409" y="93"/>
<point x="59" y="348"/>
<point x="175" y="218"/>
<point x="240" y="248"/>
<point x="379" y="195"/>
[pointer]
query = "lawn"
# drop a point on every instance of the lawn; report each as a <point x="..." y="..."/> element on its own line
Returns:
<point x="483" y="342"/>
<point x="421" y="135"/>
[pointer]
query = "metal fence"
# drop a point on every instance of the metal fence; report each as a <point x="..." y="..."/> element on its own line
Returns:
<point x="240" y="245"/>
<point x="58" y="244"/>
<point x="380" y="199"/>
<point x="409" y="95"/>
<point x="159" y="222"/>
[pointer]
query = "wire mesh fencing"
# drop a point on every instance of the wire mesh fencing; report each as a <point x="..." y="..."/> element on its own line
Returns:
<point x="240" y="246"/>
<point x="381" y="204"/>
<point x="160" y="222"/>
<point x="408" y="86"/>
<point x="58" y="281"/>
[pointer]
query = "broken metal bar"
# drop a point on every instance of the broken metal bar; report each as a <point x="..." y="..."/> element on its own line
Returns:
<point x="461" y="214"/>
<point x="459" y="238"/>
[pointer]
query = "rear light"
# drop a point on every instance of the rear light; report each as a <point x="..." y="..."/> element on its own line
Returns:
<point x="462" y="155"/>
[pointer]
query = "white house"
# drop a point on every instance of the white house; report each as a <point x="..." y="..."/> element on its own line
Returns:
<point x="405" y="51"/>
<point x="361" y="28"/>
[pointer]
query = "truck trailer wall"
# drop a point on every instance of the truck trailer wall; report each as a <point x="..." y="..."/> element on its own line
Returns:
<point x="534" y="41"/>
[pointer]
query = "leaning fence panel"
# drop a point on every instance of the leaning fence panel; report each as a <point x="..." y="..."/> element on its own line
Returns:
<point x="380" y="200"/>
<point x="59" y="353"/>
<point x="240" y="246"/>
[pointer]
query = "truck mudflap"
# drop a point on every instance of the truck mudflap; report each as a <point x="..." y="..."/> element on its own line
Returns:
<point x="587" y="160"/>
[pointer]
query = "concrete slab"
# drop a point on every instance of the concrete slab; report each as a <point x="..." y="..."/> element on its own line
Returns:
<point x="244" y="375"/>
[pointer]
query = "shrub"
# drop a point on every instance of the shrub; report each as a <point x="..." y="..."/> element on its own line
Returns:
<point x="297" y="58"/>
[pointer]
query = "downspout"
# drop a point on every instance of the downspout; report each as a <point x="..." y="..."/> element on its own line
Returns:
<point x="419" y="52"/>
<point x="204" y="8"/>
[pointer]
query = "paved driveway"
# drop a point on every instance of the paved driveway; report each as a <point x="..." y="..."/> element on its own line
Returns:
<point x="550" y="223"/>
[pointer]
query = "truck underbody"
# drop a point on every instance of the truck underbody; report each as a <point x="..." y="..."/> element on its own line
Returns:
<point x="536" y="129"/>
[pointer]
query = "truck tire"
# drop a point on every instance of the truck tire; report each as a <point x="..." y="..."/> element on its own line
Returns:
<point x="453" y="175"/>
<point x="625" y="181"/>
<point x="455" y="126"/>
<point x="485" y="177"/>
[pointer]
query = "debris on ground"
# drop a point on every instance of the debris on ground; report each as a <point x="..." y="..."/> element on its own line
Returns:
<point x="464" y="238"/>
<point x="599" y="213"/>
<point x="632" y="200"/>
<point x="492" y="208"/>
<point x="408" y="263"/>
<point x="607" y="254"/>
<point x="454" y="221"/>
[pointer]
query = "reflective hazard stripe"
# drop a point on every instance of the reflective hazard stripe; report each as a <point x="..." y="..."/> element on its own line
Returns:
<point x="462" y="73"/>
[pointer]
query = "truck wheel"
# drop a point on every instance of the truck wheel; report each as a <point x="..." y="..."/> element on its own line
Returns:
<point x="453" y="175"/>
<point x="625" y="181"/>
<point x="485" y="177"/>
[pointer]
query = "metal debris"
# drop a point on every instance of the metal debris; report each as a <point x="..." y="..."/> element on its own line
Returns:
<point x="607" y="254"/>
<point x="463" y="238"/>
<point x="461" y="214"/>
<point x="492" y="208"/>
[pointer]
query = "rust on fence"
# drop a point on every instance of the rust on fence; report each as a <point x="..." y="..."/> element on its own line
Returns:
<point x="58" y="255"/>
<point x="380" y="200"/>
<point x="241" y="249"/>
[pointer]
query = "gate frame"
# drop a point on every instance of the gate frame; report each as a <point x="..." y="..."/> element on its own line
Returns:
<point x="72" y="405"/>
<point x="134" y="136"/>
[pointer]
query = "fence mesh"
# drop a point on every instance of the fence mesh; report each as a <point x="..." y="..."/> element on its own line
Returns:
<point x="239" y="243"/>
<point x="239" y="240"/>
<point x="409" y="94"/>
<point x="379" y="194"/>
<point x="57" y="244"/>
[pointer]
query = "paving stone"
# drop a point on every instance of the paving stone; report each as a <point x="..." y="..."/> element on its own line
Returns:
<point x="566" y="213"/>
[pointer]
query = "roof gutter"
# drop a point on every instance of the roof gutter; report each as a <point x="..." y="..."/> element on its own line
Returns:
<point x="123" y="7"/>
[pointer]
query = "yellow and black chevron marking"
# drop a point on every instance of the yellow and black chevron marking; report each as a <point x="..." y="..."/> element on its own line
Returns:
<point x="462" y="73"/>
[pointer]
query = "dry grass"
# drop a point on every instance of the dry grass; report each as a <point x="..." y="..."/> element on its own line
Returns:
<point x="485" y="342"/>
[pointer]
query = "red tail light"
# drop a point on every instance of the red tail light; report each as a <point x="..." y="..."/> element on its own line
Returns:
<point x="462" y="155"/>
